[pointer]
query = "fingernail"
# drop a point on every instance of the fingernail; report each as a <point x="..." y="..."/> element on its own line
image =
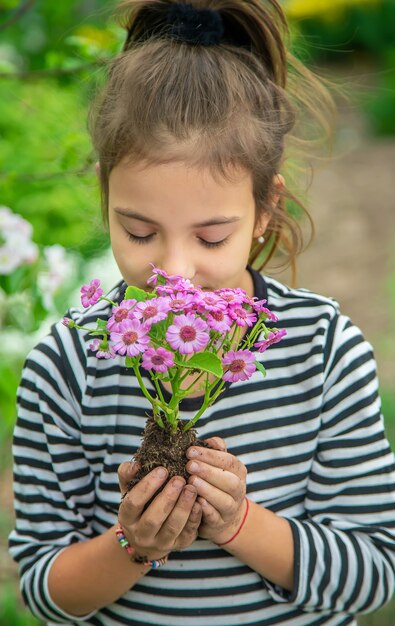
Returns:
<point x="192" y="453"/>
<point x="189" y="492"/>
<point x="161" y="472"/>
<point x="177" y="483"/>
<point x="193" y="467"/>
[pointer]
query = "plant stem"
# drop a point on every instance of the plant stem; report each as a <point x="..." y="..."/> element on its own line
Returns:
<point x="143" y="388"/>
<point x="108" y="300"/>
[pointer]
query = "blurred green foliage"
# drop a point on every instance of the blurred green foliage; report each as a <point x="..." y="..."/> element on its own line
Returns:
<point x="351" y="33"/>
<point x="12" y="613"/>
<point x="46" y="167"/>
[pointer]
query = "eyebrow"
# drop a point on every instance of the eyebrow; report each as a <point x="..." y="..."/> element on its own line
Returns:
<point x="215" y="221"/>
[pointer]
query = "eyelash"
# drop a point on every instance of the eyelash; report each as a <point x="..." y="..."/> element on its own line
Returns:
<point x="147" y="239"/>
<point x="213" y="244"/>
<point x="139" y="240"/>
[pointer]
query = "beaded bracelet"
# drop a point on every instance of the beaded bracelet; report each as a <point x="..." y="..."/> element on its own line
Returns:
<point x="124" y="543"/>
<point x="240" y="527"/>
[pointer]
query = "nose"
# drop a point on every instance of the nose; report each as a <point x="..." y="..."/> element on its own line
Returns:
<point x="176" y="260"/>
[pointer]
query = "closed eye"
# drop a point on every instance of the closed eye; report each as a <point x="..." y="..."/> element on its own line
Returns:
<point x="213" y="244"/>
<point x="139" y="240"/>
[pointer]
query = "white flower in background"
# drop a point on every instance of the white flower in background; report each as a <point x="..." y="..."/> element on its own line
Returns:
<point x="59" y="268"/>
<point x="9" y="259"/>
<point x="16" y="245"/>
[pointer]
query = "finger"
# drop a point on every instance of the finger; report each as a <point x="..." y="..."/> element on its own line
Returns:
<point x="126" y="472"/>
<point x="179" y="516"/>
<point x="210" y="515"/>
<point x="190" y="530"/>
<point x="216" y="458"/>
<point x="223" y="502"/>
<point x="217" y="443"/>
<point x="160" y="508"/>
<point x="133" y="503"/>
<point x="223" y="480"/>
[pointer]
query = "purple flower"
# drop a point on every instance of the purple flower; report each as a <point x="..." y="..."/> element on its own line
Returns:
<point x="259" y="308"/>
<point x="166" y="283"/>
<point x="219" y="320"/>
<point x="91" y="293"/>
<point x="131" y="338"/>
<point x="159" y="360"/>
<point x="273" y="337"/>
<point x="103" y="349"/>
<point x="232" y="296"/>
<point x="68" y="322"/>
<point x="156" y="272"/>
<point x="210" y="301"/>
<point x="153" y="310"/>
<point x="188" y="334"/>
<point x="121" y="313"/>
<point x="180" y="283"/>
<point x="240" y="365"/>
<point x="242" y="316"/>
<point x="181" y="301"/>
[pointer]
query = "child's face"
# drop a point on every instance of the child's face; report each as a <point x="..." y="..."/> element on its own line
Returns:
<point x="183" y="221"/>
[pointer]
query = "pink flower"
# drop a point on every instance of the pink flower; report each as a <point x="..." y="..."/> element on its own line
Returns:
<point x="156" y="273"/>
<point x="219" y="320"/>
<point x="181" y="301"/>
<point x="232" y="296"/>
<point x="210" y="301"/>
<point x="131" y="338"/>
<point x="91" y="293"/>
<point x="242" y="316"/>
<point x="240" y="365"/>
<point x="166" y="283"/>
<point x="273" y="337"/>
<point x="153" y="310"/>
<point x="188" y="334"/>
<point x="159" y="360"/>
<point x="259" y="308"/>
<point x="178" y="284"/>
<point x="68" y="322"/>
<point x="103" y="349"/>
<point x="120" y="313"/>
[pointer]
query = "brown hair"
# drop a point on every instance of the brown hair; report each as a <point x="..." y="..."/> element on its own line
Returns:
<point x="216" y="107"/>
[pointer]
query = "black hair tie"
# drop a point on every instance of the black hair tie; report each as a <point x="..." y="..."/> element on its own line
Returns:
<point x="191" y="25"/>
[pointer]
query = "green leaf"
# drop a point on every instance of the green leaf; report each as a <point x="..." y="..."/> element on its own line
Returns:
<point x="135" y="293"/>
<point x="130" y="361"/>
<point x="101" y="324"/>
<point x="205" y="362"/>
<point x="260" y="367"/>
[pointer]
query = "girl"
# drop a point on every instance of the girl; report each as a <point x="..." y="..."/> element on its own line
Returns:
<point x="189" y="134"/>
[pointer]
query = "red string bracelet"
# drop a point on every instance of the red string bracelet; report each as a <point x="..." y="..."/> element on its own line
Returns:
<point x="240" y="527"/>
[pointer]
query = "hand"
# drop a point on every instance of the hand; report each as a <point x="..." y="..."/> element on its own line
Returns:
<point x="220" y="480"/>
<point x="169" y="523"/>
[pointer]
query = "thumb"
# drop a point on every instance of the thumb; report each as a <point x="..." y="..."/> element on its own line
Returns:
<point x="126" y="472"/>
<point x="216" y="443"/>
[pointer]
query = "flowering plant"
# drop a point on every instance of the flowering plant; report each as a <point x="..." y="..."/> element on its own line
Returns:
<point x="184" y="336"/>
<point x="30" y="277"/>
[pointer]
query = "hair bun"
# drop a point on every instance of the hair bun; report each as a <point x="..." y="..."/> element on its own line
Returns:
<point x="195" y="26"/>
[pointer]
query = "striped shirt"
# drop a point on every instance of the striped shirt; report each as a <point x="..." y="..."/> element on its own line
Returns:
<point x="310" y="434"/>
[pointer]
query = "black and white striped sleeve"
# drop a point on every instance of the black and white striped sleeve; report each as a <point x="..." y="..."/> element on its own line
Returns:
<point x="53" y="483"/>
<point x="345" y="548"/>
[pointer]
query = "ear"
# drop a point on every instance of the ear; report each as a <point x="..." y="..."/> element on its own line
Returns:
<point x="261" y="225"/>
<point x="97" y="168"/>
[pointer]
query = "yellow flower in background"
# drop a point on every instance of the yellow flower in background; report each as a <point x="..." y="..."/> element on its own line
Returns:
<point x="299" y="9"/>
<point x="101" y="37"/>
